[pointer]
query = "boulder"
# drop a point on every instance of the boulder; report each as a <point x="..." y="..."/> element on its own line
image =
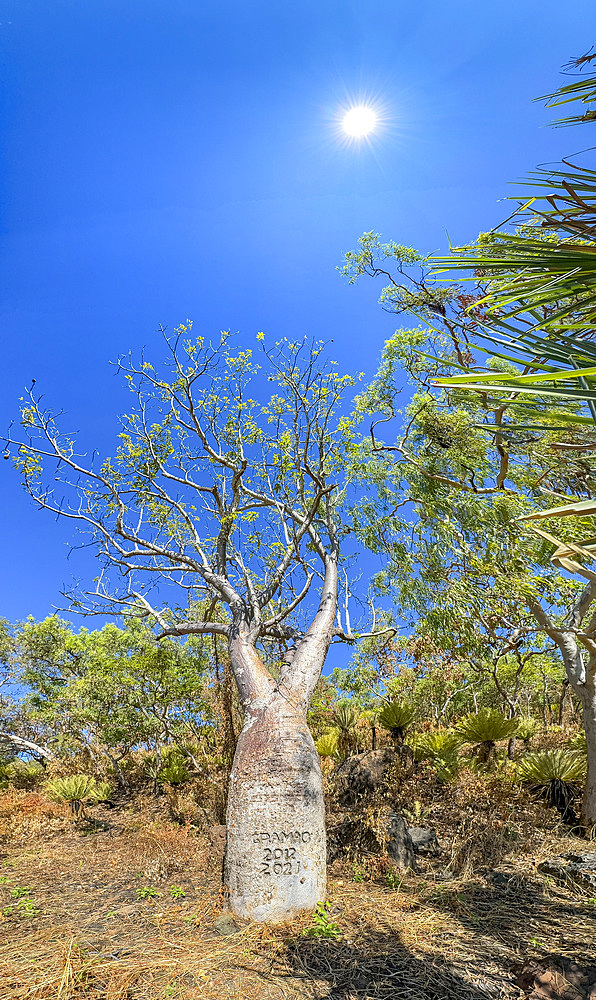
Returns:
<point x="352" y="837"/>
<point x="225" y="924"/>
<point x="555" y="977"/>
<point x="424" y="841"/>
<point x="363" y="775"/>
<point x="572" y="869"/>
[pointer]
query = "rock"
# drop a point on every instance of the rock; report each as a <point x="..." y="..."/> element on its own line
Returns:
<point x="500" y="880"/>
<point x="572" y="869"/>
<point x="354" y="837"/>
<point x="555" y="977"/>
<point x="363" y="774"/>
<point x="399" y="842"/>
<point x="424" y="841"/>
<point x="225" y="924"/>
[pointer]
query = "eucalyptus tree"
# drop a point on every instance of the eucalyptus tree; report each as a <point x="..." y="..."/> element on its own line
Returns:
<point x="237" y="506"/>
<point x="471" y="466"/>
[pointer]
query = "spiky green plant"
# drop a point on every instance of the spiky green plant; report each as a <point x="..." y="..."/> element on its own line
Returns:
<point x="327" y="744"/>
<point x="526" y="729"/>
<point x="578" y="743"/>
<point x="440" y="749"/>
<point x="483" y="729"/>
<point x="555" y="775"/>
<point x="396" y="717"/>
<point x="24" y="773"/>
<point x="77" y="789"/>
<point x="346" y="717"/>
<point x="175" y="771"/>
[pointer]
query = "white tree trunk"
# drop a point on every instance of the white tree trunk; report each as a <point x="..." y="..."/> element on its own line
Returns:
<point x="588" y="697"/>
<point x="276" y="849"/>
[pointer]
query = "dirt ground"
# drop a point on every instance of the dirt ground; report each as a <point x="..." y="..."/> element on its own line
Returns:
<point x="127" y="911"/>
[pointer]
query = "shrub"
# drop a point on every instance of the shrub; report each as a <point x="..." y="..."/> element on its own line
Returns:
<point x="327" y="744"/>
<point x="526" y="728"/>
<point x="483" y="729"/>
<point x="175" y="771"/>
<point x="24" y="774"/>
<point x="346" y="717"/>
<point x="76" y="789"/>
<point x="440" y="749"/>
<point x="556" y="776"/>
<point x="396" y="717"/>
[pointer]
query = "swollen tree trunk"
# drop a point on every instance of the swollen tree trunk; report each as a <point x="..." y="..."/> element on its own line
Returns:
<point x="275" y="852"/>
<point x="275" y="831"/>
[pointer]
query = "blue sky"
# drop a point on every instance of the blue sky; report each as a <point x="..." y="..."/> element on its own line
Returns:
<point x="178" y="158"/>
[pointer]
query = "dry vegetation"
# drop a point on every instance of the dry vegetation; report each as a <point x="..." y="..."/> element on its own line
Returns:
<point x="79" y="919"/>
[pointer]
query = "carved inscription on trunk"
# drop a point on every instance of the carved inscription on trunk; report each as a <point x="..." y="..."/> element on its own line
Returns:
<point x="277" y="860"/>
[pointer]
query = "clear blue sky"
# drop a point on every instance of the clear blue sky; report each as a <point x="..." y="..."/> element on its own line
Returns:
<point x="177" y="158"/>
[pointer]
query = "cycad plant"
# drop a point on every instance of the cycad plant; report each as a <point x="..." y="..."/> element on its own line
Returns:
<point x="555" y="775"/>
<point x="175" y="771"/>
<point x="440" y="749"/>
<point x="77" y="789"/>
<point x="483" y="729"/>
<point x="526" y="729"/>
<point x="396" y="717"/>
<point x="346" y="717"/>
<point x="327" y="744"/>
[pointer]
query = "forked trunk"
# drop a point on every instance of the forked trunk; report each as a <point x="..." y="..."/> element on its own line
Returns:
<point x="275" y="849"/>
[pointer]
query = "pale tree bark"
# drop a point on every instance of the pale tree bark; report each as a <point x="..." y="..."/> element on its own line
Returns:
<point x="275" y="863"/>
<point x="26" y="746"/>
<point x="577" y="645"/>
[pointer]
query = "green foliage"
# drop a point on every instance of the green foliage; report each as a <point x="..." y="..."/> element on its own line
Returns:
<point x="175" y="771"/>
<point x="556" y="776"/>
<point x="322" y="925"/>
<point x="177" y="892"/>
<point x="485" y="727"/>
<point x="527" y="727"/>
<point x="440" y="748"/>
<point x="396" y="717"/>
<point x="147" y="892"/>
<point x="346" y="717"/>
<point x="24" y="774"/>
<point x="548" y="765"/>
<point x="77" y="789"/>
<point x="327" y="744"/>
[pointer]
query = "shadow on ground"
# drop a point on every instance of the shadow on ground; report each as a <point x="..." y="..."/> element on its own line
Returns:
<point x="378" y="967"/>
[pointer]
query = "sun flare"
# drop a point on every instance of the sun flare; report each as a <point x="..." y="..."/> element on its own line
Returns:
<point x="359" y="121"/>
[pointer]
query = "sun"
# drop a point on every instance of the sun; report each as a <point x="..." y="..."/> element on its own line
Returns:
<point x="360" y="121"/>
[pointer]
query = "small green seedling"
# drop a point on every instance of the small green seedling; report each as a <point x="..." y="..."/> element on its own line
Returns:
<point x="6" y="912"/>
<point x="19" y="891"/>
<point x="322" y="925"/>
<point x="28" y="907"/>
<point x="147" y="892"/>
<point x="393" y="880"/>
<point x="4" y="879"/>
<point x="177" y="892"/>
<point x="359" y="873"/>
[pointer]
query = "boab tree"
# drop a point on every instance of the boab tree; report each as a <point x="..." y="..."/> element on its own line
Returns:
<point x="239" y="504"/>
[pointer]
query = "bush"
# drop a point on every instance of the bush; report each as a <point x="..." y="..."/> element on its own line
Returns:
<point x="483" y="729"/>
<point x="440" y="749"/>
<point x="76" y="789"/>
<point x="556" y="776"/>
<point x="396" y="717"/>
<point x="24" y="774"/>
<point x="327" y="744"/>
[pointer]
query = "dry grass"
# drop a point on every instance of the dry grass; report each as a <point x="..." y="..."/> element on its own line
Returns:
<point x="448" y="933"/>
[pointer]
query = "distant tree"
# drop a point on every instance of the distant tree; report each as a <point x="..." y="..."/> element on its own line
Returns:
<point x="113" y="690"/>
<point x="238" y="505"/>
